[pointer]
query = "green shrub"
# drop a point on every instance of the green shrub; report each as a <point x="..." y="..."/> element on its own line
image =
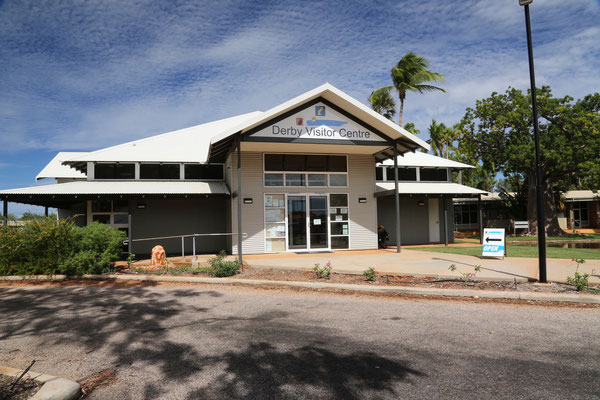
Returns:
<point x="580" y="281"/>
<point x="48" y="246"/>
<point x="219" y="267"/>
<point x="370" y="274"/>
<point x="324" y="271"/>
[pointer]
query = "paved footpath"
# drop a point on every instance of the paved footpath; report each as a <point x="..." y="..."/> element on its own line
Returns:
<point x="413" y="262"/>
<point x="202" y="341"/>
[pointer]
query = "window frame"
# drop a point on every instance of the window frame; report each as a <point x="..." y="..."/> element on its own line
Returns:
<point x="305" y="173"/>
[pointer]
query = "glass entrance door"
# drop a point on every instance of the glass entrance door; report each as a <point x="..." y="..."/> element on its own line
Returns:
<point x="318" y="222"/>
<point x="297" y="222"/>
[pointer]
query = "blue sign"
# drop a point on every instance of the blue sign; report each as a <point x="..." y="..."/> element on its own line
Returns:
<point x="320" y="111"/>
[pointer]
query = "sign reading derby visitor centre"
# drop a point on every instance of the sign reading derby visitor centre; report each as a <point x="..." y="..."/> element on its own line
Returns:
<point x="318" y="122"/>
<point x="317" y="173"/>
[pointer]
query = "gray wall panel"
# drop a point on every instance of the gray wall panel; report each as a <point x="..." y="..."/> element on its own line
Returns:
<point x="414" y="219"/>
<point x="168" y="217"/>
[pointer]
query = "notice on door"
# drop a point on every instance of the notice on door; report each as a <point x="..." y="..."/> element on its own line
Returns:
<point x="493" y="242"/>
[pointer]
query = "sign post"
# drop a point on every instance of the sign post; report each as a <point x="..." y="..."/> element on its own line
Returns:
<point x="493" y="242"/>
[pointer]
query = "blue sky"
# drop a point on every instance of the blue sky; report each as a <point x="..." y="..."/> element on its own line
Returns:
<point x="82" y="75"/>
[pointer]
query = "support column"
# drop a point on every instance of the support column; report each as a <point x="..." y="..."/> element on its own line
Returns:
<point x="5" y="212"/>
<point x="239" y="196"/>
<point x="129" y="234"/>
<point x="445" y="222"/>
<point x="480" y="214"/>
<point x="46" y="211"/>
<point x="397" y="196"/>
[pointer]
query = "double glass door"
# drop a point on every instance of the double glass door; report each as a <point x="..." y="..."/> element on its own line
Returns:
<point x="307" y="222"/>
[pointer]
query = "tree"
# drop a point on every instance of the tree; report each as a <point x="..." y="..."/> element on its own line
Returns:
<point x="409" y="126"/>
<point x="411" y="74"/>
<point x="381" y="101"/>
<point x="498" y="131"/>
<point x="442" y="139"/>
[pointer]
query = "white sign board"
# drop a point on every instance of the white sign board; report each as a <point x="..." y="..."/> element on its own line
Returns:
<point x="318" y="122"/>
<point x="493" y="242"/>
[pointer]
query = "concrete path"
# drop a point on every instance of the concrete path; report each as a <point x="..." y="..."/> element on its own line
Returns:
<point x="421" y="263"/>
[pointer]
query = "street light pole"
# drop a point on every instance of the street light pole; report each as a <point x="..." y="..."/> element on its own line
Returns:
<point x="541" y="220"/>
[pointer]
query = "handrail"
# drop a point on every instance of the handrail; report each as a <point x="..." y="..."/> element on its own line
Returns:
<point x="190" y="235"/>
<point x="193" y="235"/>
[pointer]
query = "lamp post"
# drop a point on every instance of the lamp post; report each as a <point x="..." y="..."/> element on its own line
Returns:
<point x="541" y="220"/>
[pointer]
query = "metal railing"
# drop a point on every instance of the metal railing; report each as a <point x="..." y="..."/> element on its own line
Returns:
<point x="192" y="235"/>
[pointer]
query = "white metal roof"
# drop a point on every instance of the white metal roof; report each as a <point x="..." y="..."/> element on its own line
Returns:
<point x="581" y="195"/>
<point x="193" y="144"/>
<point x="184" y="145"/>
<point x="122" y="187"/>
<point x="55" y="168"/>
<point x="419" y="159"/>
<point x="387" y="188"/>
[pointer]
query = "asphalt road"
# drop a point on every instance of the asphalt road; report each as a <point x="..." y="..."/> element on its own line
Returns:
<point x="194" y="342"/>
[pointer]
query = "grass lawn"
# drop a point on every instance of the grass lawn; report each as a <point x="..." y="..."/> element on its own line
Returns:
<point x="519" y="251"/>
<point x="584" y="236"/>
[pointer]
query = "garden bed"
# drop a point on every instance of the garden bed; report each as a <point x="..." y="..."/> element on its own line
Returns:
<point x="383" y="280"/>
<point x="25" y="389"/>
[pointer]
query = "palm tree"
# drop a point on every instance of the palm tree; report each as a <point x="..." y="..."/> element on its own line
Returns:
<point x="411" y="75"/>
<point x="442" y="138"/>
<point x="381" y="101"/>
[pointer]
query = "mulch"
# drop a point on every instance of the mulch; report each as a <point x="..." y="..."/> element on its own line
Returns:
<point x="25" y="389"/>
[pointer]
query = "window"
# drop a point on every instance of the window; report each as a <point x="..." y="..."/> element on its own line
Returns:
<point x="434" y="174"/>
<point x="204" y="171"/>
<point x="580" y="214"/>
<point x="379" y="173"/>
<point x="294" y="180"/>
<point x="275" y="233"/>
<point x="465" y="216"/>
<point x="338" y="180"/>
<point x="338" y="216"/>
<point x="299" y="170"/>
<point x="159" y="171"/>
<point x="114" y="171"/>
<point x="317" y="179"/>
<point x="337" y="164"/>
<point x="404" y="174"/>
<point x="110" y="212"/>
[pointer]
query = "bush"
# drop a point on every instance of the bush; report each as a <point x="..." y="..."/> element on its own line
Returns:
<point x="580" y="281"/>
<point x="48" y="246"/>
<point x="220" y="268"/>
<point x="370" y="274"/>
<point x="324" y="271"/>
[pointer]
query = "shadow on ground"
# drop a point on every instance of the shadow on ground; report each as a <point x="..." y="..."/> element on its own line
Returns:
<point x="262" y="371"/>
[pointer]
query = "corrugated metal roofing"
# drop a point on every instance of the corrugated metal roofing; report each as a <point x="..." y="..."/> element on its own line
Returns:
<point x="387" y="188"/>
<point x="184" y="145"/>
<point x="193" y="144"/>
<point x="121" y="187"/>
<point x="55" y="168"/>
<point x="581" y="195"/>
<point x="419" y="159"/>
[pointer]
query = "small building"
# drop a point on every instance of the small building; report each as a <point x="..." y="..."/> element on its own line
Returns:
<point x="582" y="210"/>
<point x="311" y="174"/>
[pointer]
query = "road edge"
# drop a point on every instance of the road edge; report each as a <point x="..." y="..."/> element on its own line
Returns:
<point x="53" y="387"/>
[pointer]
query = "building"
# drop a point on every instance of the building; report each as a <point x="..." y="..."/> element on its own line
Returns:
<point x="580" y="210"/>
<point x="311" y="174"/>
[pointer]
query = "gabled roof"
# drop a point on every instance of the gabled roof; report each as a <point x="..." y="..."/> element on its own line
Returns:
<point x="211" y="141"/>
<point x="55" y="168"/>
<point x="407" y="142"/>
<point x="184" y="145"/>
<point x="419" y="159"/>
